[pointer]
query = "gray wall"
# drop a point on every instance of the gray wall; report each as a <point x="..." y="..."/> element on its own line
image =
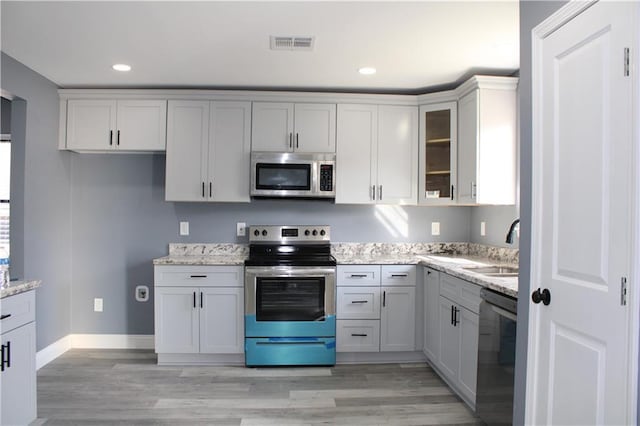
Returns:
<point x="531" y="14"/>
<point x="497" y="220"/>
<point x="121" y="222"/>
<point x="44" y="177"/>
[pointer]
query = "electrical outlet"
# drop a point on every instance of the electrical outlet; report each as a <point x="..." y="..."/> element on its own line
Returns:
<point x="142" y="293"/>
<point x="483" y="229"/>
<point x="97" y="304"/>
<point x="241" y="229"/>
<point x="435" y="228"/>
<point x="184" y="228"/>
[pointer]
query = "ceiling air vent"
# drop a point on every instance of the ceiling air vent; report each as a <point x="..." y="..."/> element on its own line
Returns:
<point x="291" y="43"/>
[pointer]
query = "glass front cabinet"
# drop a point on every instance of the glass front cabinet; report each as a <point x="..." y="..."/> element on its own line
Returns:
<point x="438" y="153"/>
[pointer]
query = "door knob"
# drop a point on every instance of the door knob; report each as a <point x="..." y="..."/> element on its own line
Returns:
<point x="543" y="296"/>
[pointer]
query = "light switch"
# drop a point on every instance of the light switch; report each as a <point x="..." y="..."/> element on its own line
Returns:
<point x="483" y="229"/>
<point x="97" y="305"/>
<point x="241" y="229"/>
<point x="184" y="228"/>
<point x="435" y="228"/>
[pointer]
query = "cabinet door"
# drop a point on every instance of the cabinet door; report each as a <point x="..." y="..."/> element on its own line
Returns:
<point x="91" y="124"/>
<point x="315" y="128"/>
<point x="468" y="325"/>
<point x="438" y="153"/>
<point x="397" y="155"/>
<point x="229" y="151"/>
<point x="468" y="150"/>
<point x="272" y="127"/>
<point x="222" y="320"/>
<point x="177" y="320"/>
<point x="356" y="158"/>
<point x="398" y="319"/>
<point x="187" y="151"/>
<point x="18" y="380"/>
<point x="141" y="125"/>
<point x="432" y="314"/>
<point x="449" y="356"/>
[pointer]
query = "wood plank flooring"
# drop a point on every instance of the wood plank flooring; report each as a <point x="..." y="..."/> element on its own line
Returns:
<point x="126" y="387"/>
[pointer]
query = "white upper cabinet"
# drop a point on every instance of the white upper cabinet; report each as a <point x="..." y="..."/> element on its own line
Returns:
<point x="288" y="127"/>
<point x="438" y="154"/>
<point x="208" y="148"/>
<point x="376" y="154"/>
<point x="104" y="125"/>
<point x="487" y="141"/>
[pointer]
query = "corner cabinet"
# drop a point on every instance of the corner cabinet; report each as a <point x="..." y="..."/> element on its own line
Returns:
<point x="208" y="150"/>
<point x="198" y="310"/>
<point x="18" y="360"/>
<point x="438" y="154"/>
<point x="487" y="125"/>
<point x="376" y="154"/>
<point x="110" y="125"/>
<point x="289" y="127"/>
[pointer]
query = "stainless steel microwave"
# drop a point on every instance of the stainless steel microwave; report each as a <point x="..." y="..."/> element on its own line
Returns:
<point x="293" y="175"/>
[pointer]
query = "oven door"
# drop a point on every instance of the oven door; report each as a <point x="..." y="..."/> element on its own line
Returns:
<point x="286" y="301"/>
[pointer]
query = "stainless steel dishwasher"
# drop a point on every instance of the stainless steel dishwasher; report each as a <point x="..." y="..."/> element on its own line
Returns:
<point x="496" y="358"/>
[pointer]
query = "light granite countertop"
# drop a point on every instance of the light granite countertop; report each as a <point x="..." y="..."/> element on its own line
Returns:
<point x="450" y="258"/>
<point x="17" y="287"/>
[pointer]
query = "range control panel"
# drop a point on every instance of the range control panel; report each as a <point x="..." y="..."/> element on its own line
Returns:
<point x="289" y="234"/>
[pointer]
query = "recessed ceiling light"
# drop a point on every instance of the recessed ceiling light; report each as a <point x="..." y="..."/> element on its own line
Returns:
<point x="122" y="67"/>
<point x="367" y="70"/>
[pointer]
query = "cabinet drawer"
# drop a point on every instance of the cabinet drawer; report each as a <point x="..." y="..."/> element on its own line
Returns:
<point x="21" y="309"/>
<point x="353" y="275"/>
<point x="450" y="287"/>
<point x="460" y="291"/>
<point x="404" y="275"/>
<point x="358" y="336"/>
<point x="202" y="276"/>
<point x="358" y="303"/>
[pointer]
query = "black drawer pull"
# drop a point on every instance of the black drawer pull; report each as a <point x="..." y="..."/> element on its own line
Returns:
<point x="358" y="275"/>
<point x="359" y="301"/>
<point x="358" y="335"/>
<point x="6" y="356"/>
<point x="399" y="275"/>
<point x="5" y="316"/>
<point x="198" y="276"/>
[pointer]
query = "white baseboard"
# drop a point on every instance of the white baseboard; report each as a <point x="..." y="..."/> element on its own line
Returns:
<point x="93" y="341"/>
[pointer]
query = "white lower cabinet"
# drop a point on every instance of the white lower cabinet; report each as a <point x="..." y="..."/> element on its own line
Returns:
<point x="451" y="330"/>
<point x="199" y="310"/>
<point x="376" y="308"/>
<point x="18" y="361"/>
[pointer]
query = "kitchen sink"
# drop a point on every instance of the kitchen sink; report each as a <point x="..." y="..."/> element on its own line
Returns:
<point x="494" y="270"/>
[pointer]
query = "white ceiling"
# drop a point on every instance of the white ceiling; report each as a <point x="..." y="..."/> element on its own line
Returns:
<point x="413" y="45"/>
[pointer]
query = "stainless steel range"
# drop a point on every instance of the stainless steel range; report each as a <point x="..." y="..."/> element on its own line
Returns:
<point x="290" y="288"/>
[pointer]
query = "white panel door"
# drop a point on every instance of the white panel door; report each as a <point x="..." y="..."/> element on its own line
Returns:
<point x="187" y="151"/>
<point x="91" y="124"/>
<point x="229" y="151"/>
<point x="272" y="127"/>
<point x="177" y="328"/>
<point x="142" y="125"/>
<point x="468" y="324"/>
<point x="468" y="117"/>
<point x="315" y="127"/>
<point x="431" y="314"/>
<point x="397" y="154"/>
<point x="356" y="158"/>
<point x="579" y="347"/>
<point x="18" y="380"/>
<point x="449" y="356"/>
<point x="398" y="319"/>
<point x="222" y="320"/>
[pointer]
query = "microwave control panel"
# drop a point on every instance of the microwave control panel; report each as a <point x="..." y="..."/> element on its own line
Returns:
<point x="326" y="177"/>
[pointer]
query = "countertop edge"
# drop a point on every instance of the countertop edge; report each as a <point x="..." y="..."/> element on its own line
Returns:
<point x="18" y="287"/>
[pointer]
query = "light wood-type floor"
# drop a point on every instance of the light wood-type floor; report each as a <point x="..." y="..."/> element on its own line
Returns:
<point x="126" y="387"/>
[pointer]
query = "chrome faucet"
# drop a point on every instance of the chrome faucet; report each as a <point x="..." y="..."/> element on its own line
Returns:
<point x="512" y="229"/>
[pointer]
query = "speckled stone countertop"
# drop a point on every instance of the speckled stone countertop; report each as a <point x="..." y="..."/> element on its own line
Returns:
<point x="450" y="258"/>
<point x="17" y="287"/>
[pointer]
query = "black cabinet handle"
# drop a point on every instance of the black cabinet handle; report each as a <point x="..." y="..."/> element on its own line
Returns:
<point x="194" y="300"/>
<point x="452" y="192"/>
<point x="202" y="189"/>
<point x="359" y="335"/>
<point x="398" y="275"/>
<point x="359" y="301"/>
<point x="201" y="301"/>
<point x="455" y="316"/>
<point x="290" y="140"/>
<point x="198" y="276"/>
<point x="210" y="189"/>
<point x="384" y="299"/>
<point x="5" y="316"/>
<point x="358" y="275"/>
<point x="118" y="138"/>
<point x="110" y="137"/>
<point x="543" y="296"/>
<point x="451" y="314"/>
<point x="297" y="144"/>
<point x="6" y="356"/>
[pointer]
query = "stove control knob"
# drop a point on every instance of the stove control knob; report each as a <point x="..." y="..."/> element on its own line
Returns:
<point x="256" y="232"/>
<point x="322" y="232"/>
<point x="264" y="232"/>
<point x="315" y="232"/>
<point x="307" y="232"/>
